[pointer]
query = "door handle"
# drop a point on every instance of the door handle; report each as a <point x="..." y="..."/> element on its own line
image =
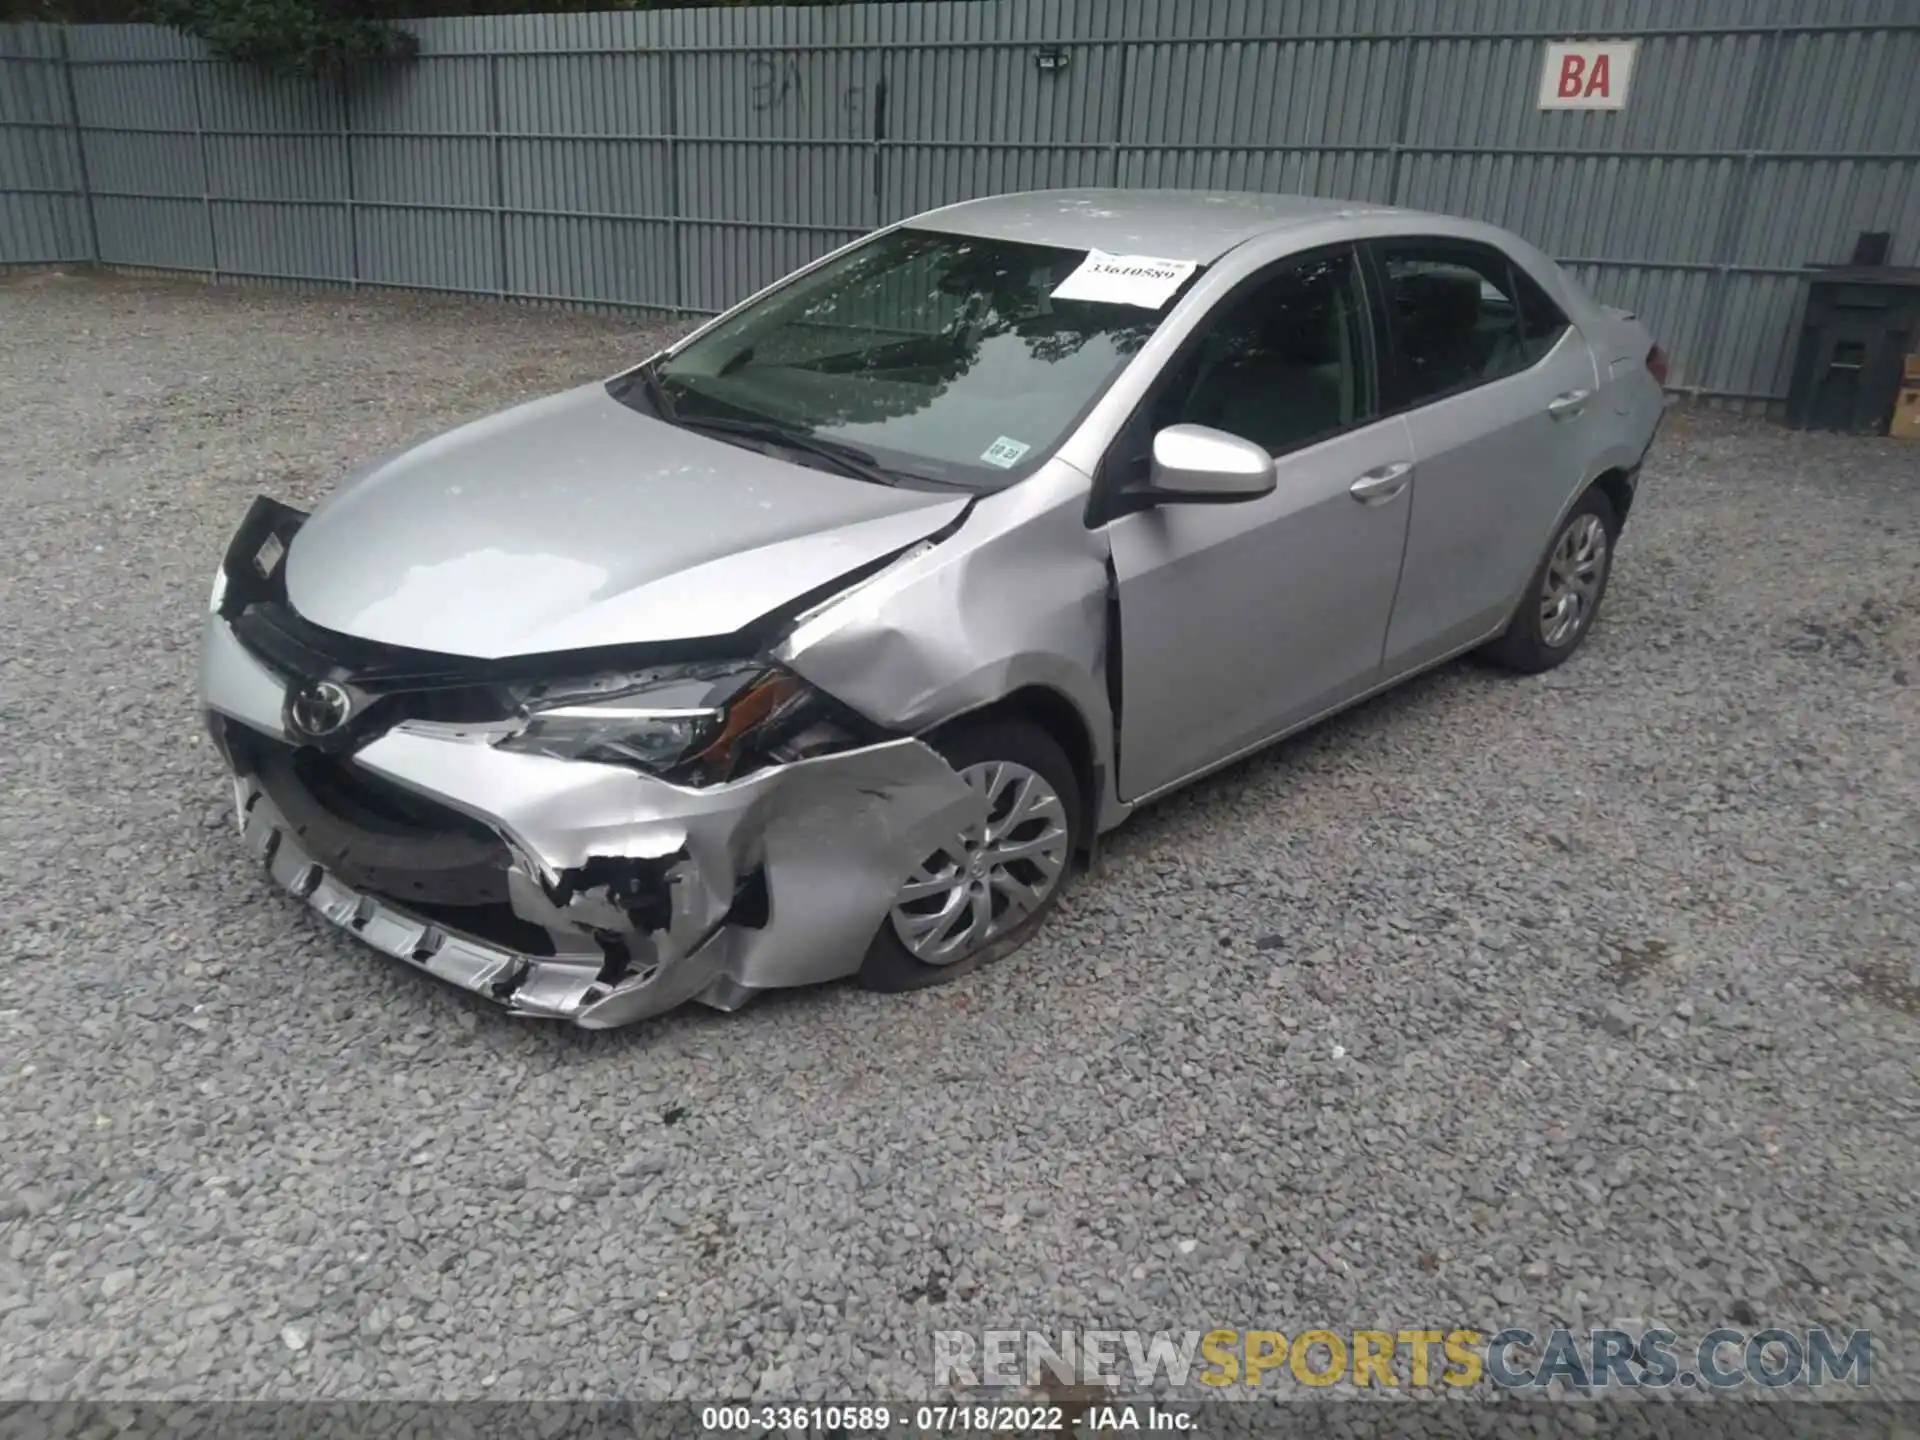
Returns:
<point x="1567" y="406"/>
<point x="1380" y="485"/>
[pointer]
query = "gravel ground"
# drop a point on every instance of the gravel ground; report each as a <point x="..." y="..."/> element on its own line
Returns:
<point x="1578" y="998"/>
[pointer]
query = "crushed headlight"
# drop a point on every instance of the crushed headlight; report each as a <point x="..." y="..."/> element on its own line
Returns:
<point x="697" y="724"/>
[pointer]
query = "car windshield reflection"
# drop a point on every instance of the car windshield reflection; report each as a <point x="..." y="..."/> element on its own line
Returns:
<point x="943" y="357"/>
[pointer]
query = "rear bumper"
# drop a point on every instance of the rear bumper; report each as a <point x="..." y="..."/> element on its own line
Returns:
<point x="644" y="894"/>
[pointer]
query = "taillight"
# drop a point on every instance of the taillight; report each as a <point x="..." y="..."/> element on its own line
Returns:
<point x="1657" y="366"/>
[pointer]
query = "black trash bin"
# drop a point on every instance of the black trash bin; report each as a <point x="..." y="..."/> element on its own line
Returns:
<point x="1862" y="321"/>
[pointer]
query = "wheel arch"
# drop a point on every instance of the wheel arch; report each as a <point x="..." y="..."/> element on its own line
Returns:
<point x="1617" y="485"/>
<point x="1060" y="719"/>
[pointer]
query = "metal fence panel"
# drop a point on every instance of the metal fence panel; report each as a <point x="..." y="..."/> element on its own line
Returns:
<point x="676" y="160"/>
<point x="42" y="186"/>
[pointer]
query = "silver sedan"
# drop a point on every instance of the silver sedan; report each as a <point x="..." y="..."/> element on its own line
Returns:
<point x="822" y="643"/>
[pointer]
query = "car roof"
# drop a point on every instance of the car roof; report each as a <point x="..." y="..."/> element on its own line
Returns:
<point x="1198" y="225"/>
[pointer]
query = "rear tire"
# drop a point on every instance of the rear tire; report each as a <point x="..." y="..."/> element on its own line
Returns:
<point x="1563" y="597"/>
<point x="981" y="897"/>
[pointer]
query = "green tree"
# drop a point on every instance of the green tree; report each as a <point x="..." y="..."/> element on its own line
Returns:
<point x="290" y="37"/>
<point x="313" y="37"/>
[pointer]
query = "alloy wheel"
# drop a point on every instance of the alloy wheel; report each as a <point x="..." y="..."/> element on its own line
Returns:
<point x="991" y="877"/>
<point x="1572" y="585"/>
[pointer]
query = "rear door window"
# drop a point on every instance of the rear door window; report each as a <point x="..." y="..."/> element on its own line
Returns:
<point x="1461" y="315"/>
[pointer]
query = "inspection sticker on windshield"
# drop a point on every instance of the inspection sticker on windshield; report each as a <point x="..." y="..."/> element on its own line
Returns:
<point x="1124" y="279"/>
<point x="1005" y="453"/>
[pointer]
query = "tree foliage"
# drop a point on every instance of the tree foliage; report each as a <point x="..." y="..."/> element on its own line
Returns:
<point x="314" y="37"/>
<point x="289" y="37"/>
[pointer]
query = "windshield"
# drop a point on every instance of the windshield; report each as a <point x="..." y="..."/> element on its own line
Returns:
<point x="944" y="358"/>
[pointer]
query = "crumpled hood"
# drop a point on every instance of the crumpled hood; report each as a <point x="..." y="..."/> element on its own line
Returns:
<point x="575" y="522"/>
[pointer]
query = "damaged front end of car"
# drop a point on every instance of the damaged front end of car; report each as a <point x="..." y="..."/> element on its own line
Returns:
<point x="596" y="836"/>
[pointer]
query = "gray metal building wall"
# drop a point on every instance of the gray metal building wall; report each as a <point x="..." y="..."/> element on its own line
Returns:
<point x="677" y="160"/>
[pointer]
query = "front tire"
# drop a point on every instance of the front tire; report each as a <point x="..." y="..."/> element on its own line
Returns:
<point x="982" y="895"/>
<point x="1563" y="597"/>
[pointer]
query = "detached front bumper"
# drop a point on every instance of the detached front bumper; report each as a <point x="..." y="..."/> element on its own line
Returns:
<point x="619" y="896"/>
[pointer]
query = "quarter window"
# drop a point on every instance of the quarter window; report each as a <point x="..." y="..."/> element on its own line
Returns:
<point x="1541" y="323"/>
<point x="1462" y="315"/>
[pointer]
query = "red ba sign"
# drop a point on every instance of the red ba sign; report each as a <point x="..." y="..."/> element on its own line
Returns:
<point x="1586" y="74"/>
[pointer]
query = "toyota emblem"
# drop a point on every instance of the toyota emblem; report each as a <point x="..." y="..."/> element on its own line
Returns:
<point x="320" y="708"/>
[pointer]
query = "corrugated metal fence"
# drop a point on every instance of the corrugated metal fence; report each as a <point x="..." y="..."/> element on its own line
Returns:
<point x="676" y="160"/>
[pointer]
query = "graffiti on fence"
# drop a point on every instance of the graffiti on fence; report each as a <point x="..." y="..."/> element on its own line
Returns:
<point x="776" y="79"/>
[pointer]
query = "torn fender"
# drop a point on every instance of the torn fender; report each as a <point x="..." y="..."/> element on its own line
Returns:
<point x="1017" y="597"/>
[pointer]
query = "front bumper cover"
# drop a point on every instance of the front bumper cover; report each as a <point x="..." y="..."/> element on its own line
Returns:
<point x="635" y="881"/>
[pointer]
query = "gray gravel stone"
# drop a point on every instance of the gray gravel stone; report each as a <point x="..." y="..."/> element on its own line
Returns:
<point x="1457" y="878"/>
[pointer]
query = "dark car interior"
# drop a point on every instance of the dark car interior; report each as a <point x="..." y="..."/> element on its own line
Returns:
<point x="1455" y="327"/>
<point x="1283" y="384"/>
<point x="1280" y="368"/>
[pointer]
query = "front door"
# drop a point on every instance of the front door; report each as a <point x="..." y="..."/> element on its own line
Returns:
<point x="1239" y="621"/>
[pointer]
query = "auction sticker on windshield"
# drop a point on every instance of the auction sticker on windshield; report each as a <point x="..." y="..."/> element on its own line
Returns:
<point x="1005" y="453"/>
<point x="1143" y="280"/>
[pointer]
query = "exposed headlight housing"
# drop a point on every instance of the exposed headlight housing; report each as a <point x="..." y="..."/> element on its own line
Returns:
<point x="697" y="724"/>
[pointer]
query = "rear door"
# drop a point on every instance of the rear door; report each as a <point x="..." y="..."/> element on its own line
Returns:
<point x="1497" y="387"/>
<point x="1238" y="621"/>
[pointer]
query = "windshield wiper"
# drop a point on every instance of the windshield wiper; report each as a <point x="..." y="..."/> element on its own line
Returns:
<point x="845" y="458"/>
<point x="656" y="393"/>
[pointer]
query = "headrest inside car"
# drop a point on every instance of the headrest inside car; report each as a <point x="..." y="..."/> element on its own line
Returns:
<point x="1440" y="299"/>
<point x="1304" y="335"/>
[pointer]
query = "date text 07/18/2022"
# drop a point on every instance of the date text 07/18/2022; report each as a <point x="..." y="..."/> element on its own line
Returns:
<point x="944" y="1419"/>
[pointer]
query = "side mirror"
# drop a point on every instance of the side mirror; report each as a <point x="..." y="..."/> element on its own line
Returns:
<point x="1198" y="465"/>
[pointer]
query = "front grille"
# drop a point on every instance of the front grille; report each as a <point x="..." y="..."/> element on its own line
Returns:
<point x="377" y="836"/>
<point x="358" y="797"/>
